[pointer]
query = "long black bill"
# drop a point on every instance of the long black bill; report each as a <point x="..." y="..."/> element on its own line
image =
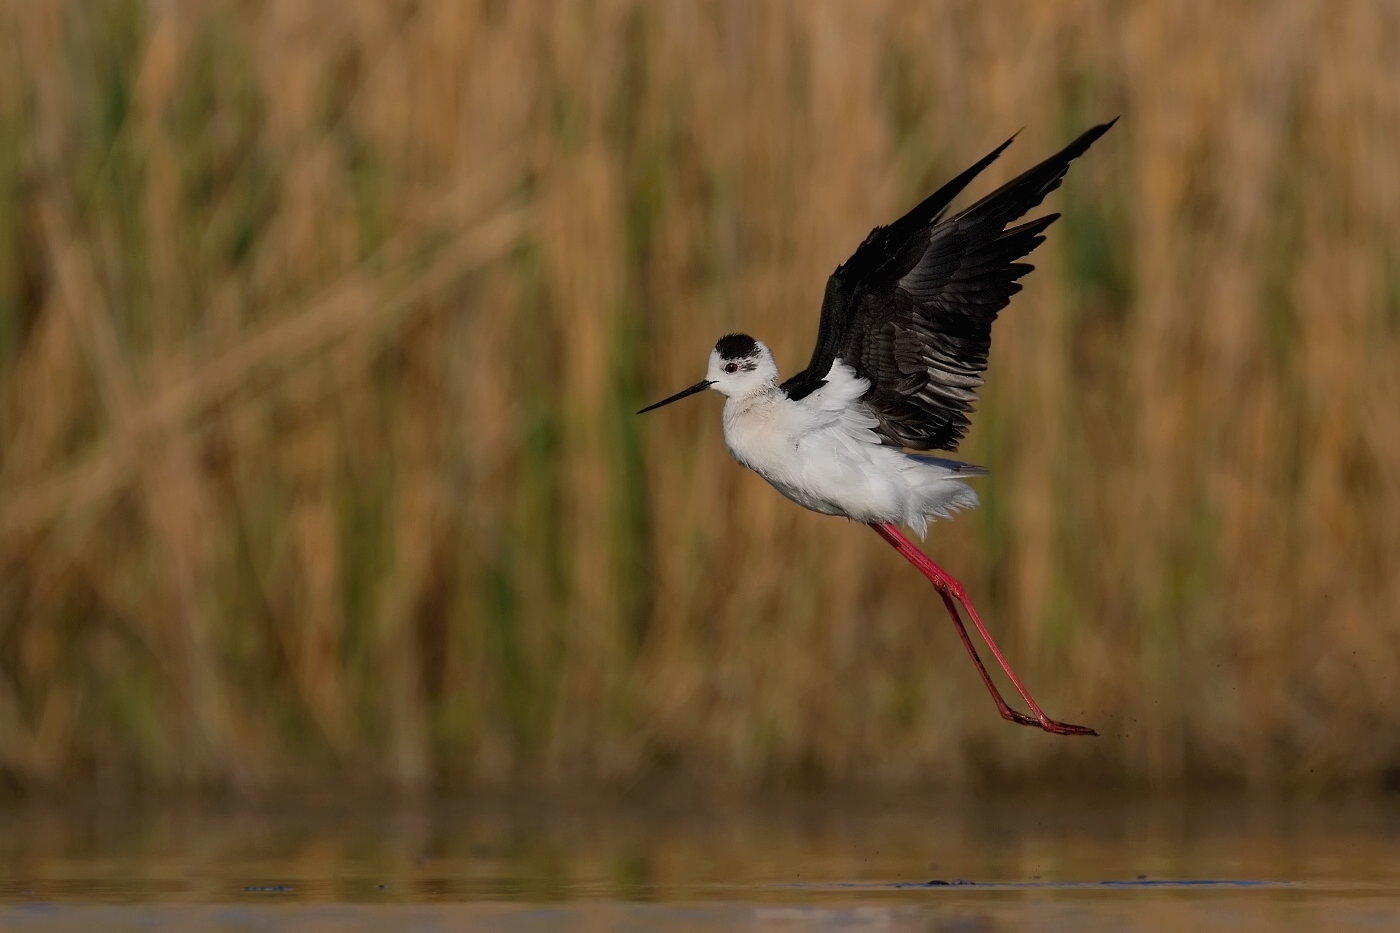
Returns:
<point x="700" y="386"/>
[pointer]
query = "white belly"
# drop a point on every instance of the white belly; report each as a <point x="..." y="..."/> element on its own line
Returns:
<point x="836" y="464"/>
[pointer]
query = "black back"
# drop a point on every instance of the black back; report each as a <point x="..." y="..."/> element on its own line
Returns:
<point x="912" y="309"/>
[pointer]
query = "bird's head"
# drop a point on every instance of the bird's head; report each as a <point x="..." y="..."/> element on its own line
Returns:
<point x="739" y="366"/>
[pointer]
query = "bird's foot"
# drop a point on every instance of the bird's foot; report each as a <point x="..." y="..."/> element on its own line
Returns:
<point x="1019" y="718"/>
<point x="1063" y="728"/>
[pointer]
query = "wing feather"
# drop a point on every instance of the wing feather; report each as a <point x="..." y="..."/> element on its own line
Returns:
<point x="911" y="311"/>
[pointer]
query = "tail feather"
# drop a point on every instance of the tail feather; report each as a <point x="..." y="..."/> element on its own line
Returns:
<point x="942" y="492"/>
<point x="956" y="467"/>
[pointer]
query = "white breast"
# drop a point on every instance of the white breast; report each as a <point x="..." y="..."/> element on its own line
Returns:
<point x="822" y="452"/>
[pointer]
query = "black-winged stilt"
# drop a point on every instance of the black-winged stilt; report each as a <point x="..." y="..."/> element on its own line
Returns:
<point x="905" y="329"/>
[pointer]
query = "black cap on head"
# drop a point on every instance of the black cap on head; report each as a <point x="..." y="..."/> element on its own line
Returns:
<point x="736" y="346"/>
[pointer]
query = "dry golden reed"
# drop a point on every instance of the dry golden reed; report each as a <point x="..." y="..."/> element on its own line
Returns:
<point x="322" y="326"/>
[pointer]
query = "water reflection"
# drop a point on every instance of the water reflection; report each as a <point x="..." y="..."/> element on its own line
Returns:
<point x="812" y="863"/>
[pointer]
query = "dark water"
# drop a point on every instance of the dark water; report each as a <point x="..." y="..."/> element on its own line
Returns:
<point x="831" y="863"/>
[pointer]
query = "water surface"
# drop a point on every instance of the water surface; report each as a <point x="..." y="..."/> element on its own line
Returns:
<point x="851" y="862"/>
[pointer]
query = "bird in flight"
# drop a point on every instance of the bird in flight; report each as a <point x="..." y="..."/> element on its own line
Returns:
<point x="905" y="329"/>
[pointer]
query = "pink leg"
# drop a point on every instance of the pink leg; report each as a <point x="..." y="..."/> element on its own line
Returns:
<point x="1006" y="711"/>
<point x="951" y="589"/>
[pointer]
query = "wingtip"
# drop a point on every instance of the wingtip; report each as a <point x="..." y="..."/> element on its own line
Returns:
<point x="1094" y="132"/>
<point x="1073" y="150"/>
<point x="1002" y="148"/>
<point x="1085" y="139"/>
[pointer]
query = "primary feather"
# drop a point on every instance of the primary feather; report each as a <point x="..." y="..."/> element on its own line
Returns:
<point x="911" y="311"/>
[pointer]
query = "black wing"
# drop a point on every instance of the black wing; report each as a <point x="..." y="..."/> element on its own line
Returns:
<point x="912" y="309"/>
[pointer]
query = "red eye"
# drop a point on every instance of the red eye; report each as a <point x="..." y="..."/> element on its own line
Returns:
<point x="731" y="367"/>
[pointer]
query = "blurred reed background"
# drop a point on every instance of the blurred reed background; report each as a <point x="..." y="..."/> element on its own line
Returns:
<point x="322" y="325"/>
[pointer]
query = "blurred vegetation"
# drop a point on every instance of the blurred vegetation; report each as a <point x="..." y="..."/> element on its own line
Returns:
<point x="322" y="326"/>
